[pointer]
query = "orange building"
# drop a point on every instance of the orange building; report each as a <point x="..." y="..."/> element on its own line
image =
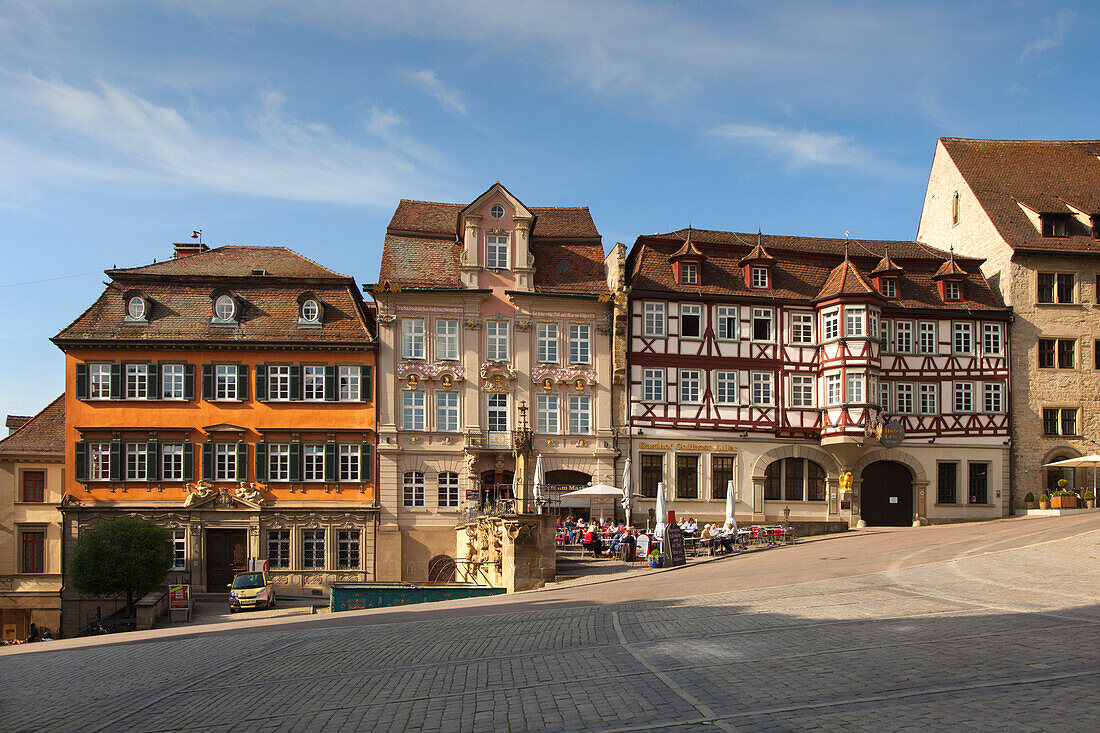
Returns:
<point x="228" y="394"/>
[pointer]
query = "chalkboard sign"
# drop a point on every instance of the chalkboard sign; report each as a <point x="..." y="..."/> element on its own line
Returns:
<point x="672" y="545"/>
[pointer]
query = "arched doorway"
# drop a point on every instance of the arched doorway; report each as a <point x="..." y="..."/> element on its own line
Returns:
<point x="886" y="495"/>
<point x="562" y="481"/>
<point x="1054" y="473"/>
<point x="441" y="569"/>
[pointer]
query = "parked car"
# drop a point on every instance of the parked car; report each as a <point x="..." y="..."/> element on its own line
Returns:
<point x="251" y="590"/>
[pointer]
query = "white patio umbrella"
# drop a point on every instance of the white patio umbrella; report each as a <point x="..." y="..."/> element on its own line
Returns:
<point x="539" y="484"/>
<point x="1080" y="462"/>
<point x="628" y="490"/>
<point x="662" y="513"/>
<point x="599" y="491"/>
<point x="729" y="503"/>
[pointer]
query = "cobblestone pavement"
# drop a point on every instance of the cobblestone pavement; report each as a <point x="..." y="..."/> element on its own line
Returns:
<point x="1003" y="639"/>
<point x="216" y="610"/>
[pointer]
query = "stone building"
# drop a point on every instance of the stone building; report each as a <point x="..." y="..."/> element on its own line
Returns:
<point x="494" y="317"/>
<point x="1031" y="210"/>
<point x="32" y="486"/>
<point x="774" y="361"/>
<point x="227" y="394"/>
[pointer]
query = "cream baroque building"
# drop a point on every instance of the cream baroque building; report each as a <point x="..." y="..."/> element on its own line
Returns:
<point x="494" y="317"/>
<point x="1031" y="210"/>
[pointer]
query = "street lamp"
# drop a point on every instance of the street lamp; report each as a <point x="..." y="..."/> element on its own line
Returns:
<point x="787" y="516"/>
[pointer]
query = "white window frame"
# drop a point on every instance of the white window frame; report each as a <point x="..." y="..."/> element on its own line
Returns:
<point x="884" y="396"/>
<point x="889" y="287"/>
<point x="993" y="339"/>
<point x="99" y="381"/>
<point x="137" y="461"/>
<point x="350" y="378"/>
<point x="349" y="462"/>
<point x="278" y="382"/>
<point x="802" y="390"/>
<point x="492" y="408"/>
<point x="802" y="328"/>
<point x="580" y="343"/>
<point x="313" y="462"/>
<point x="172" y="378"/>
<point x="904" y="397"/>
<point x="886" y="328"/>
<point x="313" y="383"/>
<point x="179" y="549"/>
<point x="727" y="320"/>
<point x="446" y="412"/>
<point x="226" y="388"/>
<point x="546" y="343"/>
<point x="909" y="329"/>
<point x="580" y="414"/>
<point x="99" y="461"/>
<point x="834" y="389"/>
<point x="412" y="338"/>
<point x="447" y="490"/>
<point x="497" y="252"/>
<point x="690" y="386"/>
<point x="768" y="315"/>
<point x="958" y="328"/>
<point x="225" y="462"/>
<point x="929" y="399"/>
<point x="873" y="316"/>
<point x="763" y="389"/>
<point x="929" y="329"/>
<point x="994" y="391"/>
<point x="693" y="310"/>
<point x="497" y="338"/>
<point x="446" y="339"/>
<point x="964" y="397"/>
<point x="759" y="277"/>
<point x="137" y="381"/>
<point x="952" y="290"/>
<point x="412" y="410"/>
<point x="654" y="319"/>
<point x="830" y="324"/>
<point x="653" y="385"/>
<point x="547" y="414"/>
<point x="278" y="462"/>
<point x="689" y="273"/>
<point x="855" y="388"/>
<point x="727" y="386"/>
<point x="171" y="462"/>
<point x="855" y="322"/>
<point x="412" y="489"/>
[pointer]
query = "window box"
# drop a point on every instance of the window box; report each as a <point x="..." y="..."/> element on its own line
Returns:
<point x="1063" y="502"/>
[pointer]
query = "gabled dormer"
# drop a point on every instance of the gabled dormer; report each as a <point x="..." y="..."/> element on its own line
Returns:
<point x="1055" y="224"/>
<point x="887" y="277"/>
<point x="758" y="268"/>
<point x="495" y="232"/>
<point x="687" y="264"/>
<point x="845" y="281"/>
<point x="949" y="279"/>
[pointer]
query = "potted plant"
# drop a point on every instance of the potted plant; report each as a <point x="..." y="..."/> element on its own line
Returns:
<point x="1029" y="500"/>
<point x="1063" y="498"/>
<point x="1090" y="499"/>
<point x="1044" y="502"/>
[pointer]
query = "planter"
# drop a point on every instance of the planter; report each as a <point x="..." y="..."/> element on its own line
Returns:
<point x="1044" y="505"/>
<point x="1090" y="504"/>
<point x="1063" y="502"/>
<point x="1031" y="504"/>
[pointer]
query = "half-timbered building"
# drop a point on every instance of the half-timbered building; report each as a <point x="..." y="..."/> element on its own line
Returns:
<point x="778" y="362"/>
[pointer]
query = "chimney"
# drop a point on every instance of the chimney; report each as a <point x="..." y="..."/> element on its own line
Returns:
<point x="186" y="249"/>
<point x="15" y="422"/>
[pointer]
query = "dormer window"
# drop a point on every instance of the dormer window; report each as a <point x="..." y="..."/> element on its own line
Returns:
<point x="689" y="273"/>
<point x="496" y="211"/>
<point x="952" y="290"/>
<point x="1055" y="225"/>
<point x="889" y="287"/>
<point x="496" y="251"/>
<point x="227" y="309"/>
<point x="310" y="310"/>
<point x="137" y="308"/>
<point x="760" y="278"/>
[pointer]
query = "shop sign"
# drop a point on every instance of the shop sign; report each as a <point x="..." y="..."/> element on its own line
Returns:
<point x="179" y="597"/>
<point x="672" y="545"/>
<point x="891" y="433"/>
<point x="473" y="494"/>
<point x="723" y="447"/>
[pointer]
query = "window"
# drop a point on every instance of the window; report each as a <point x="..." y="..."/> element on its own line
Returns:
<point x="225" y="308"/>
<point x="136" y="456"/>
<point x="350" y="377"/>
<point x="794" y="479"/>
<point x="137" y="381"/>
<point x="978" y="483"/>
<point x="726" y="385"/>
<point x="313" y="462"/>
<point x="929" y="399"/>
<point x="225" y="461"/>
<point x="885" y="336"/>
<point x="311" y="311"/>
<point x="994" y="397"/>
<point x="1059" y="421"/>
<point x="762" y="392"/>
<point x="278" y="548"/>
<point x="721" y="473"/>
<point x="903" y="337"/>
<point x="99" y="461"/>
<point x="884" y="396"/>
<point x="34" y="486"/>
<point x="687" y="477"/>
<point x="412" y="412"/>
<point x="448" y="489"/>
<point x="802" y="391"/>
<point x="580" y="344"/>
<point x="446" y="339"/>
<point x="580" y="414"/>
<point x="498" y="413"/>
<point x="992" y="339"/>
<point x="313" y="549"/>
<point x="691" y="321"/>
<point x="773" y="481"/>
<point x="872" y="323"/>
<point x="546" y="413"/>
<point x="763" y="320"/>
<point x="964" y="338"/>
<point x="964" y="397"/>
<point x="832" y="389"/>
<point x="652" y="473"/>
<point x="653" y="385"/>
<point x="496" y="251"/>
<point x="830" y="324"/>
<point x="179" y="549"/>
<point x="446" y="412"/>
<point x="135" y="308"/>
<point x="225" y="381"/>
<point x="904" y="397"/>
<point x="889" y="287"/>
<point x="1096" y="355"/>
<point x="727" y="322"/>
<point x="313" y="383"/>
<point x="952" y="290"/>
<point x="171" y="381"/>
<point x="689" y="273"/>
<point x="802" y="328"/>
<point x="413" y="494"/>
<point x="760" y="277"/>
<point x="278" y="383"/>
<point x="690" y="386"/>
<point x="546" y="343"/>
<point x="856" y="383"/>
<point x="653" y="319"/>
<point x="347" y="549"/>
<point x="496" y="211"/>
<point x="412" y="338"/>
<point x="1054" y="225"/>
<point x="853" y="321"/>
<point x="1056" y="287"/>
<point x="278" y="462"/>
<point x="34" y="551"/>
<point x="1057" y="353"/>
<point x="955" y="209"/>
<point x="496" y="334"/>
<point x="946" y="482"/>
<point x="350" y="460"/>
<point x="928" y="338"/>
<point x="99" y="381"/>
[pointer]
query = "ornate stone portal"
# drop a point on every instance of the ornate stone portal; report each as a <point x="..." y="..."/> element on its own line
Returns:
<point x="515" y="551"/>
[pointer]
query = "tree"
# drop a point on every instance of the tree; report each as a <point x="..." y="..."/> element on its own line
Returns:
<point x="127" y="555"/>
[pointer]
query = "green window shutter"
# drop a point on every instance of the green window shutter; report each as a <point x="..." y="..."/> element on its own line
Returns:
<point x="153" y="384"/>
<point x="152" y="461"/>
<point x="366" y="462"/>
<point x="295" y="381"/>
<point x="188" y="381"/>
<point x="242" y="460"/>
<point x="208" y="382"/>
<point x="330" y="461"/>
<point x="330" y="383"/>
<point x="80" y="467"/>
<point x="116" y="460"/>
<point x="208" y="461"/>
<point x="261" y="461"/>
<point x="295" y="461"/>
<point x="82" y="381"/>
<point x="366" y="383"/>
<point x="242" y="381"/>
<point x="261" y="382"/>
<point x="116" y="381"/>
<point x="188" y="461"/>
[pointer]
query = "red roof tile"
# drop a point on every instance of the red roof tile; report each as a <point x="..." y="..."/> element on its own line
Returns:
<point x="42" y="434"/>
<point x="845" y="279"/>
<point x="433" y="217"/>
<point x="234" y="261"/>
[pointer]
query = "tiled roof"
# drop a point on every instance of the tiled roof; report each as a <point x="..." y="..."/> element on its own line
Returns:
<point x="887" y="265"/>
<point x="845" y="279"/>
<point x="232" y="262"/>
<point x="43" y="433"/>
<point x="802" y="267"/>
<point x="757" y="254"/>
<point x="688" y="250"/>
<point x="420" y="262"/>
<point x="949" y="268"/>
<point x="569" y="267"/>
<point x="1048" y="177"/>
<point x="433" y="217"/>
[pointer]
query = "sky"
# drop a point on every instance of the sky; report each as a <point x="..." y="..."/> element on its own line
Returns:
<point x="126" y="125"/>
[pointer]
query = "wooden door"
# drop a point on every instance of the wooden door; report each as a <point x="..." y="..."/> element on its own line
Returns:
<point x="226" y="555"/>
<point x="886" y="495"/>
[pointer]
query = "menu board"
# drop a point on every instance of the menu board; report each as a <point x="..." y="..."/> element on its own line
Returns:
<point x="672" y="545"/>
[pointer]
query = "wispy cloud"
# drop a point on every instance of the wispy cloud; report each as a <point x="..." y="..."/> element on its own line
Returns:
<point x="55" y="131"/>
<point x="449" y="99"/>
<point x="805" y="148"/>
<point x="1055" y="36"/>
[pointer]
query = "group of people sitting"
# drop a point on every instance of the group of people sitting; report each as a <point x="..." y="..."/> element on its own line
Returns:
<point x="593" y="536"/>
<point x="721" y="536"/>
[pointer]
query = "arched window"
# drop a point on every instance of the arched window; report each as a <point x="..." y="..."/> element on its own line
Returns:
<point x="794" y="479"/>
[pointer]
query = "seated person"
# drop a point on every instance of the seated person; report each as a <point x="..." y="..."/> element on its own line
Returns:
<point x="691" y="526"/>
<point x="628" y="545"/>
<point x="592" y="541"/>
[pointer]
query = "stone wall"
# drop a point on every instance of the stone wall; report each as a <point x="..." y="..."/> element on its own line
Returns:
<point x="515" y="552"/>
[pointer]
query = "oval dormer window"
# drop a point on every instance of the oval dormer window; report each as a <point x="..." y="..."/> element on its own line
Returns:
<point x="224" y="308"/>
<point x="496" y="211"/>
<point x="135" y="308"/>
<point x="310" y="311"/>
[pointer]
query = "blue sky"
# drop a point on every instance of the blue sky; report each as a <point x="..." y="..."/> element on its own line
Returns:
<point x="125" y="125"/>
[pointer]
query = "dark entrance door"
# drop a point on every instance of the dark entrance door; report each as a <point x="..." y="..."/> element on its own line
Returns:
<point x="495" y="487"/>
<point x="225" y="557"/>
<point x="886" y="496"/>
